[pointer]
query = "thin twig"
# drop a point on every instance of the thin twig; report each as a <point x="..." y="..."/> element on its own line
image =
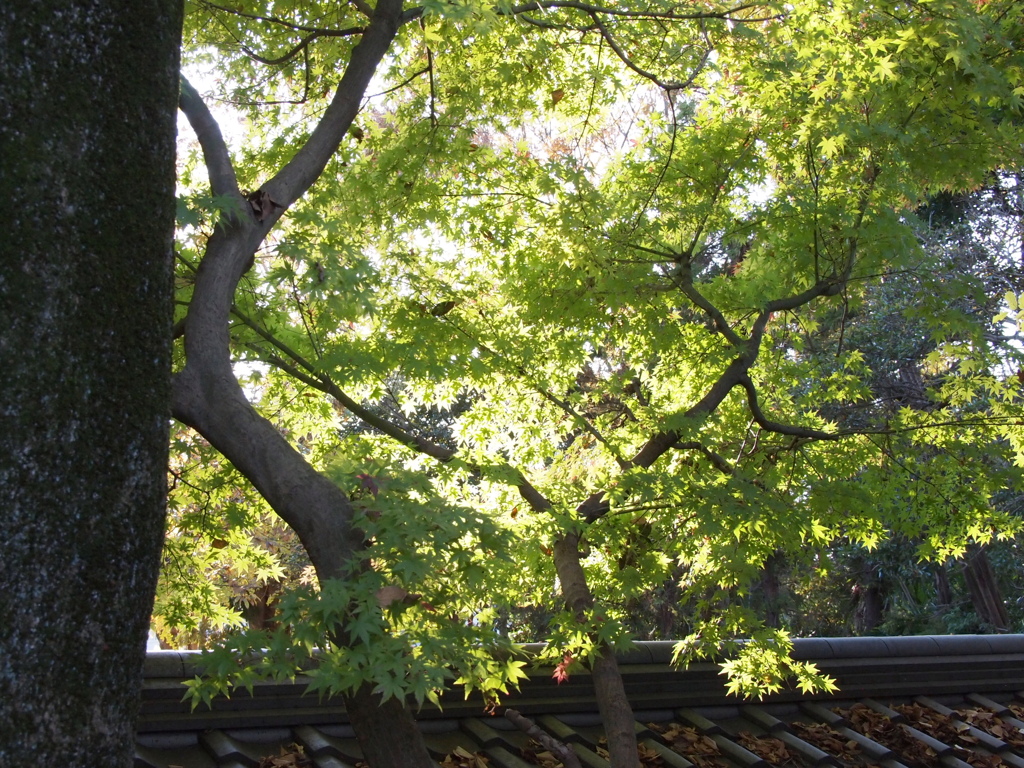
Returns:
<point x="322" y="31"/>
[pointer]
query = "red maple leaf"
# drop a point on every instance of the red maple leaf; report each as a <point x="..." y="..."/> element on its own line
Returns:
<point x="561" y="673"/>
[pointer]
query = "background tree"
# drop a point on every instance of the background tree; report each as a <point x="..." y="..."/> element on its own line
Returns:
<point x="908" y="327"/>
<point x="87" y="125"/>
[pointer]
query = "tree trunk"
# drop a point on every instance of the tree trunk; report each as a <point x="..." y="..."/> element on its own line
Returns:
<point x="943" y="591"/>
<point x="207" y="396"/>
<point x="387" y="733"/>
<point x="869" y="606"/>
<point x="88" y="93"/>
<point x="612" y="703"/>
<point x="771" y="589"/>
<point x="668" y="608"/>
<point x="984" y="589"/>
<point x="212" y="402"/>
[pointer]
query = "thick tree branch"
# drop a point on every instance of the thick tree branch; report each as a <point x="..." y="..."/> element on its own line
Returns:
<point x="683" y="278"/>
<point x="363" y="7"/>
<point x="215" y="150"/>
<point x="309" y="162"/>
<point x="825" y="287"/>
<point x="562" y="751"/>
<point x="538" y="501"/>
<point x="311" y="504"/>
<point x="206" y="394"/>
<point x="231" y="248"/>
<point x="774" y="426"/>
<point x="658" y="445"/>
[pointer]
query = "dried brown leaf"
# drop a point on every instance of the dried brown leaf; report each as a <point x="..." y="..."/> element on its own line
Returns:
<point x="292" y="756"/>
<point x="390" y="594"/>
<point x="766" y="747"/>
<point x="463" y="758"/>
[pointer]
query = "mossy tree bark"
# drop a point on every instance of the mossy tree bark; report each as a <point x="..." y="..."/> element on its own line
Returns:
<point x="88" y="90"/>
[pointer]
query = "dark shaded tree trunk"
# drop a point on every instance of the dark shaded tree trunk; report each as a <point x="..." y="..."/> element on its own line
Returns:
<point x="88" y="93"/>
<point x="943" y="591"/>
<point x="869" y="601"/>
<point x="869" y="610"/>
<point x="771" y="589"/>
<point x="986" y="596"/>
<point x="667" y="620"/>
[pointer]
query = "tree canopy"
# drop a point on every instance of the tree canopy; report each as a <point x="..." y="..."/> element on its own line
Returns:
<point x="541" y="306"/>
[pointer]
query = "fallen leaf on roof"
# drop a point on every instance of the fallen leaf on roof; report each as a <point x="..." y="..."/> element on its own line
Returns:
<point x="292" y="756"/>
<point x="768" y="748"/>
<point x="949" y="731"/>
<point x="699" y="749"/>
<point x="463" y="758"/>
<point x="535" y="754"/>
<point x="649" y="758"/>
<point x="992" y="724"/>
<point x="913" y="752"/>
<point x="827" y="739"/>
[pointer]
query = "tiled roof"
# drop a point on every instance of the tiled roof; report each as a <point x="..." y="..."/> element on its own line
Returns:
<point x="956" y="694"/>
